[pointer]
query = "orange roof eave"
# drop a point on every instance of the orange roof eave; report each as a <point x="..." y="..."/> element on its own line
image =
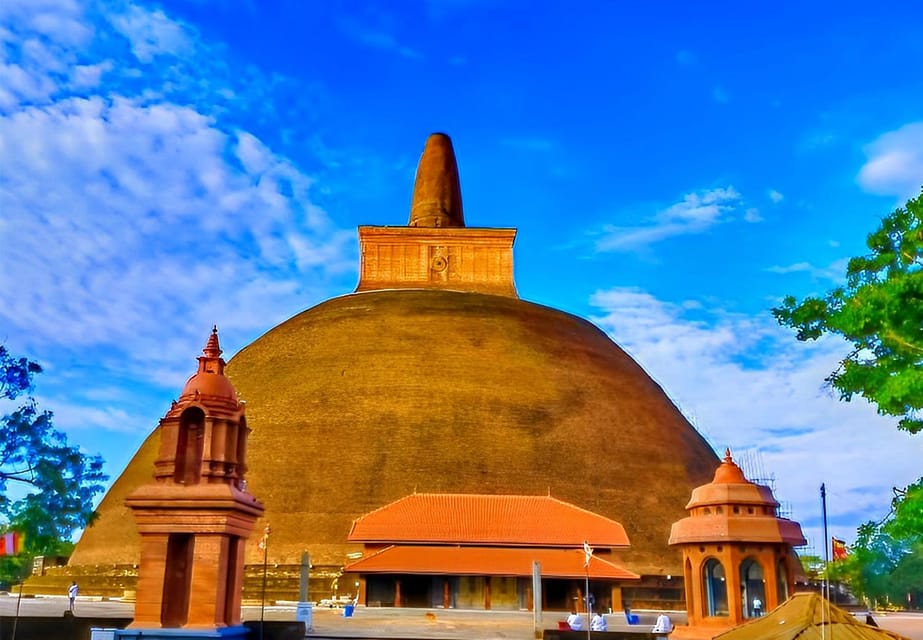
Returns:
<point x="488" y="561"/>
<point x="736" y="529"/>
<point x="492" y="543"/>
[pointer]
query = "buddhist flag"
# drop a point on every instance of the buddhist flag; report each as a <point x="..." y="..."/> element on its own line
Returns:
<point x="11" y="543"/>
<point x="838" y="547"/>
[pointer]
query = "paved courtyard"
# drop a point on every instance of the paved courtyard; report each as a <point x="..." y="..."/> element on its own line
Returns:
<point x="402" y="623"/>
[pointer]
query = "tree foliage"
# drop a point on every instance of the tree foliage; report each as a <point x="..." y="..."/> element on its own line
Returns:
<point x="880" y="311"/>
<point x="812" y="566"/>
<point x="47" y="485"/>
<point x="885" y="565"/>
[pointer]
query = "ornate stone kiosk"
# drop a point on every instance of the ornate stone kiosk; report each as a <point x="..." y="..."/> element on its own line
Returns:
<point x="738" y="560"/>
<point x="196" y="515"/>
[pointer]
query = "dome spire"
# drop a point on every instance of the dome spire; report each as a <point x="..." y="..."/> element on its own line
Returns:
<point x="211" y="361"/>
<point x="209" y="378"/>
<point x="212" y="348"/>
<point x="728" y="471"/>
<point x="436" y="191"/>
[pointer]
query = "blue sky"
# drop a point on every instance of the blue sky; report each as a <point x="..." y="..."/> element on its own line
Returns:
<point x="673" y="169"/>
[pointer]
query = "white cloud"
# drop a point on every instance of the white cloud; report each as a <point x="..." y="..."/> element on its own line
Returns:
<point x="895" y="163"/>
<point x="37" y="52"/>
<point x="835" y="271"/>
<point x="132" y="223"/>
<point x="799" y="267"/>
<point x="86" y="76"/>
<point x="775" y="196"/>
<point x="376" y="37"/>
<point x="696" y="213"/>
<point x="152" y="33"/>
<point x="750" y="385"/>
<point x="60" y="21"/>
<point x="142" y="211"/>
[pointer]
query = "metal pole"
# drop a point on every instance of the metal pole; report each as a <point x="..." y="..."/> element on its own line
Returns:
<point x="826" y="583"/>
<point x="18" y="600"/>
<point x="537" y="599"/>
<point x="265" y="565"/>
<point x="588" y="554"/>
<point x="586" y="595"/>
<point x="825" y="587"/>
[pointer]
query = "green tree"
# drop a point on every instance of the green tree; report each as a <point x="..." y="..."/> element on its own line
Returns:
<point x="885" y="565"/>
<point x="880" y="312"/>
<point x="812" y="566"/>
<point x="47" y="485"/>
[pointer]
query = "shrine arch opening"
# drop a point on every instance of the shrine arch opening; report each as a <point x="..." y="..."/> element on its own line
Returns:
<point x="189" y="447"/>
<point x="752" y="587"/>
<point x="715" y="591"/>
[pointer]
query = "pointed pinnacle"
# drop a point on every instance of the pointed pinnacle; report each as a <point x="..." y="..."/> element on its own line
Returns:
<point x="212" y="348"/>
<point x="436" y="191"/>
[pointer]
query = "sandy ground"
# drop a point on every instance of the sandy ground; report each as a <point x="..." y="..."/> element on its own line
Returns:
<point x="406" y="623"/>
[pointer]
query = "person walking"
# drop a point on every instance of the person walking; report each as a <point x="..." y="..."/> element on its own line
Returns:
<point x="757" y="607"/>
<point x="72" y="595"/>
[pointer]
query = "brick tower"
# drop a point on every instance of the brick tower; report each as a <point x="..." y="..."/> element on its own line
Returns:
<point x="196" y="515"/>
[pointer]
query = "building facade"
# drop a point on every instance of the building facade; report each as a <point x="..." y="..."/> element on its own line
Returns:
<point x="472" y="551"/>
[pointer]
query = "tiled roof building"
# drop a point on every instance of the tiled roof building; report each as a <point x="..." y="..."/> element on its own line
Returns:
<point x="477" y="551"/>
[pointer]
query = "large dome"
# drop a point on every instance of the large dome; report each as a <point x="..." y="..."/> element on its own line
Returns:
<point x="369" y="397"/>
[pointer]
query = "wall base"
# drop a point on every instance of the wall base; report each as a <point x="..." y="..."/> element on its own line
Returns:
<point x="225" y="633"/>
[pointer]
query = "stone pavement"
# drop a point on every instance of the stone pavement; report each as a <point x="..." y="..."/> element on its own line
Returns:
<point x="452" y="623"/>
<point x="386" y="622"/>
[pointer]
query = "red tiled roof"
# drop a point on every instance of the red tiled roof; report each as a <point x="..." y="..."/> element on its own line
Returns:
<point x="487" y="519"/>
<point x="487" y="561"/>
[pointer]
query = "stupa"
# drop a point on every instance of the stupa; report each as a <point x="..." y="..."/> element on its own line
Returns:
<point x="434" y="376"/>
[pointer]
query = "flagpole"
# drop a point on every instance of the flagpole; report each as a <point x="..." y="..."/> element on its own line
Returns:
<point x="588" y="553"/>
<point x="22" y="579"/>
<point x="264" y="542"/>
<point x="825" y="585"/>
<point x="587" y="596"/>
<point x="825" y="590"/>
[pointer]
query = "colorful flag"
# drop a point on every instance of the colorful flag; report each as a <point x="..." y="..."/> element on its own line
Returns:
<point x="839" y="549"/>
<point x="11" y="543"/>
